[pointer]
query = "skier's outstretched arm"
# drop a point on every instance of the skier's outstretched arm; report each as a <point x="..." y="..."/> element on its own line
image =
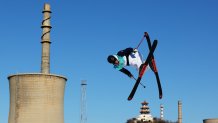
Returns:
<point x="125" y="71"/>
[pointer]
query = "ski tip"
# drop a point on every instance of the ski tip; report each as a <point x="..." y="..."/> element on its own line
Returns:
<point x="155" y="42"/>
<point x="160" y="97"/>
<point x="129" y="98"/>
<point x="145" y="34"/>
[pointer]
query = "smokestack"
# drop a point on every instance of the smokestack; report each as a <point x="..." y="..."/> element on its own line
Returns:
<point x="46" y="27"/>
<point x="161" y="112"/>
<point x="179" y="111"/>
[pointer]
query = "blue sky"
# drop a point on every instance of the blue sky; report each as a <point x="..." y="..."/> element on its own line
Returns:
<point x="84" y="33"/>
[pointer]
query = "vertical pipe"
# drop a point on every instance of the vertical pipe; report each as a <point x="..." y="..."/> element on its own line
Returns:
<point x="179" y="111"/>
<point x="161" y="112"/>
<point x="46" y="27"/>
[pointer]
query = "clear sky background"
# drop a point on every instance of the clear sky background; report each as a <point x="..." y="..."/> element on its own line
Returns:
<point x="84" y="33"/>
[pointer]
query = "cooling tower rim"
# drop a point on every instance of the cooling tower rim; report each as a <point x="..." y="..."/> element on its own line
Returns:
<point x="211" y="119"/>
<point x="20" y="74"/>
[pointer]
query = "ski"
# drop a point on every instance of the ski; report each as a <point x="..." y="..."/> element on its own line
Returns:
<point x="142" y="70"/>
<point x="153" y="66"/>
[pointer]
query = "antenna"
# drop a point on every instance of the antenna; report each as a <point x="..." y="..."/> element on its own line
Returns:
<point x="83" y="102"/>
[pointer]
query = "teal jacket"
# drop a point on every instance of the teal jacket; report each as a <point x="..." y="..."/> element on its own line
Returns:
<point x="122" y="63"/>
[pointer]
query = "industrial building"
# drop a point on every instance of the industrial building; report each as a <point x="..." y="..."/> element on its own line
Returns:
<point x="38" y="97"/>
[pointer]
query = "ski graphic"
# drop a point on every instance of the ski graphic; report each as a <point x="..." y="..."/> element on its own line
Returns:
<point x="144" y="66"/>
<point x="153" y="66"/>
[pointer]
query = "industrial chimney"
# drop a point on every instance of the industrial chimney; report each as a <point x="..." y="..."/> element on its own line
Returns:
<point x="161" y="112"/>
<point x="46" y="27"/>
<point x="38" y="97"/>
<point x="179" y="111"/>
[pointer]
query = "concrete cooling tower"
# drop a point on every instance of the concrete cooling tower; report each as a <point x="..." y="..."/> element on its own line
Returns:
<point x="38" y="97"/>
<point x="212" y="120"/>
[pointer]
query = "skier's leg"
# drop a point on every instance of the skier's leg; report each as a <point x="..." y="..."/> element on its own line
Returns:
<point x="135" y="60"/>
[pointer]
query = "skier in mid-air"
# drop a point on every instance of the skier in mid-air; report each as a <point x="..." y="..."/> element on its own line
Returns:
<point x="131" y="57"/>
<point x="126" y="57"/>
